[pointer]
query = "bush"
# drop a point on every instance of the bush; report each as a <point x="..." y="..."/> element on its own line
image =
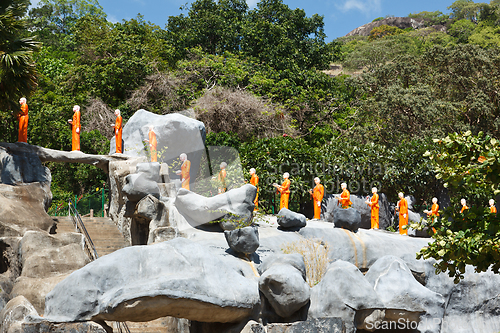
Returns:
<point x="315" y="254"/>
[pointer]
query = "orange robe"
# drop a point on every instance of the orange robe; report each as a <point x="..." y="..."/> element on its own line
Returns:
<point x="318" y="193"/>
<point x="185" y="167"/>
<point x="374" y="211"/>
<point x="433" y="214"/>
<point x="345" y="199"/>
<point x="284" y="189"/>
<point x="222" y="179"/>
<point x="464" y="208"/>
<point x="118" y="134"/>
<point x="22" y="117"/>
<point x="493" y="209"/>
<point x="403" y="209"/>
<point x="75" y="137"/>
<point x="254" y="180"/>
<point x="152" y="146"/>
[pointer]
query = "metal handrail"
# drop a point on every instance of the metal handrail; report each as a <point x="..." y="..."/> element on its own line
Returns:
<point x="80" y="227"/>
<point x="90" y="249"/>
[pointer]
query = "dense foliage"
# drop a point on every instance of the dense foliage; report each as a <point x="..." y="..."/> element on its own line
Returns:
<point x="257" y="78"/>
<point x="470" y="166"/>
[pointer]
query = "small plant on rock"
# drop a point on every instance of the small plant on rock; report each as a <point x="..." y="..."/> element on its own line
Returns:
<point x="315" y="254"/>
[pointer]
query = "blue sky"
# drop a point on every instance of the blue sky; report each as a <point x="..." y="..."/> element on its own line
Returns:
<point x="340" y="16"/>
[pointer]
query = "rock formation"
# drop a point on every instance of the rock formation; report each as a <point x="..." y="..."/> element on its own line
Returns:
<point x="176" y="278"/>
<point x="288" y="219"/>
<point x="400" y="22"/>
<point x="234" y="207"/>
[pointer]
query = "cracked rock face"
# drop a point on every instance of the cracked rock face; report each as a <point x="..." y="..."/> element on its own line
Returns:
<point x="177" y="278"/>
<point x="234" y="206"/>
<point x="283" y="283"/>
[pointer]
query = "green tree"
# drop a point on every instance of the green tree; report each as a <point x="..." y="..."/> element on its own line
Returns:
<point x="469" y="165"/>
<point x="286" y="39"/>
<point x="444" y="90"/>
<point x="431" y="18"/>
<point x="462" y="30"/>
<point x="214" y="26"/>
<point x="383" y="31"/>
<point x="18" y="75"/>
<point x="467" y="9"/>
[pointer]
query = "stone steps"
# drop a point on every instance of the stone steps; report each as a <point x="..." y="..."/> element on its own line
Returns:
<point x="160" y="325"/>
<point x="103" y="232"/>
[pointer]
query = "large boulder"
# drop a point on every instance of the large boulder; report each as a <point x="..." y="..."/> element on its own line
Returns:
<point x="244" y="240"/>
<point x="177" y="278"/>
<point x="358" y="203"/>
<point x="349" y="219"/>
<point x="175" y="134"/>
<point x="473" y="303"/>
<point x="344" y="292"/>
<point x="400" y="22"/>
<point x="19" y="316"/>
<point x="235" y="207"/>
<point x="20" y="167"/>
<point x="23" y="208"/>
<point x="288" y="219"/>
<point x="364" y="247"/>
<point x="403" y="296"/>
<point x="284" y="285"/>
<point x="46" y="260"/>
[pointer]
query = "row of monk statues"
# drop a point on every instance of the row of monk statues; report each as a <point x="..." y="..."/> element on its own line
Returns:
<point x="317" y="193"/>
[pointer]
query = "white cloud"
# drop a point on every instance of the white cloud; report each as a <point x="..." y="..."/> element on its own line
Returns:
<point x="367" y="7"/>
<point x="252" y="3"/>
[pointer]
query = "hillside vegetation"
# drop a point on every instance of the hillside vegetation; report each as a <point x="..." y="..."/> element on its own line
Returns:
<point x="255" y="78"/>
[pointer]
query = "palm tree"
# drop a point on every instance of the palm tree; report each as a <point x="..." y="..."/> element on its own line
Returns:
<point x="18" y="76"/>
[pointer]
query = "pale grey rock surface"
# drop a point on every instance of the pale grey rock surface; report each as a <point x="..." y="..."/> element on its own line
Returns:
<point x="288" y="219"/>
<point x="177" y="278"/>
<point x="403" y="296"/>
<point x="234" y="206"/>
<point x="244" y="240"/>
<point x="344" y="292"/>
<point x="400" y="22"/>
<point x="175" y="134"/>
<point x="283" y="285"/>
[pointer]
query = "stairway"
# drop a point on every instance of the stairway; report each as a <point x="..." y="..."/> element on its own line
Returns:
<point x="107" y="238"/>
<point x="102" y="230"/>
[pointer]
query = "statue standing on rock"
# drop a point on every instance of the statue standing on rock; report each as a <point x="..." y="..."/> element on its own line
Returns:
<point x="284" y="189"/>
<point x="75" y="128"/>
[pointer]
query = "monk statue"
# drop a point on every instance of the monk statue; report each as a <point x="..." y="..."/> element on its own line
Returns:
<point x="402" y="208"/>
<point x="184" y="171"/>
<point x="75" y="128"/>
<point x="284" y="189"/>
<point x="22" y="117"/>
<point x="345" y="197"/>
<point x="254" y="180"/>
<point x="373" y="204"/>
<point x="118" y="131"/>
<point x="317" y="195"/>
<point x="152" y="144"/>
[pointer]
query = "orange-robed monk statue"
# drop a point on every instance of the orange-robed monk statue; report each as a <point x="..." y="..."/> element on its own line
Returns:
<point x="402" y="207"/>
<point x="152" y="144"/>
<point x="184" y="171"/>
<point x="373" y="203"/>
<point x="254" y="180"/>
<point x="284" y="189"/>
<point x="493" y="209"/>
<point x="317" y="195"/>
<point x="22" y="117"/>
<point x="75" y="128"/>
<point x="345" y="197"/>
<point x="222" y="177"/>
<point x="118" y="131"/>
